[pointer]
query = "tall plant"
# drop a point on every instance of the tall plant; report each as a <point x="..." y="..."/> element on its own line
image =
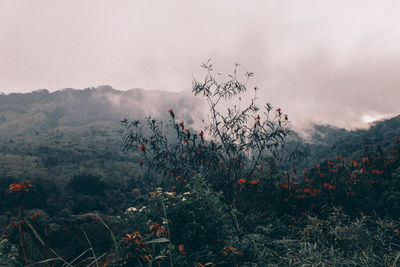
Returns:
<point x="237" y="145"/>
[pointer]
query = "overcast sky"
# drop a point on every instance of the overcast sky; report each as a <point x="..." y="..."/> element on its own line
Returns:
<point x="323" y="61"/>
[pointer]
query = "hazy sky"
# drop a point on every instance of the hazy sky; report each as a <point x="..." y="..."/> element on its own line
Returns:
<point x="322" y="61"/>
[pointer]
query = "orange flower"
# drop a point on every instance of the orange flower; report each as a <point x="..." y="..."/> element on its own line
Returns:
<point x="285" y="186"/>
<point x="182" y="249"/>
<point x="241" y="181"/>
<point x="201" y="134"/>
<point x="255" y="182"/>
<point x="24" y="186"/>
<point x="181" y="123"/>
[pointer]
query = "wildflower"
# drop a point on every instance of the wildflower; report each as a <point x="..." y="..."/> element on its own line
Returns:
<point x="187" y="130"/>
<point x="259" y="167"/>
<point x="130" y="237"/>
<point x="154" y="226"/>
<point x="285" y="117"/>
<point x="201" y="134"/>
<point x="255" y="182"/>
<point x="364" y="160"/>
<point x="181" y="248"/>
<point x="24" y="186"/>
<point x="142" y="208"/>
<point x="181" y="123"/>
<point x="285" y="186"/>
<point x="170" y="194"/>
<point x="305" y="172"/>
<point x="131" y="209"/>
<point x="142" y="148"/>
<point x="230" y="250"/>
<point x="241" y="181"/>
<point x="257" y="119"/>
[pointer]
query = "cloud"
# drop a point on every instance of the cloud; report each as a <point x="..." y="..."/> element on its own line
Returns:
<point x="322" y="61"/>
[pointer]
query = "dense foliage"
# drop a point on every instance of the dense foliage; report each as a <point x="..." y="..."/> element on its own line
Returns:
<point x="237" y="192"/>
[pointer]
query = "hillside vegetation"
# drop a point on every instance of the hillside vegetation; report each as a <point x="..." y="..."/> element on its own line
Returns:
<point x="83" y="186"/>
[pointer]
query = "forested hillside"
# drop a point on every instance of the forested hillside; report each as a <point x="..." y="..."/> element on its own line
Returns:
<point x="244" y="191"/>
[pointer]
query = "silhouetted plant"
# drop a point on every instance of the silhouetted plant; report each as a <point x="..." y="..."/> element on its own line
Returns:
<point x="237" y="145"/>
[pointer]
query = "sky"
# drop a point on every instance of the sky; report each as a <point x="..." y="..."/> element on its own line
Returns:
<point x="335" y="62"/>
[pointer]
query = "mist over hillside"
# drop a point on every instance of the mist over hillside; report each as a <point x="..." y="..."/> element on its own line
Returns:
<point x="41" y="110"/>
<point x="70" y="131"/>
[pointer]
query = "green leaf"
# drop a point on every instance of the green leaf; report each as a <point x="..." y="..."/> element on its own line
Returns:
<point x="158" y="240"/>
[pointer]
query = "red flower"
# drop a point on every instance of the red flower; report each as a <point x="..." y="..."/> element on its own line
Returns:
<point x="170" y="111"/>
<point x="259" y="167"/>
<point x="142" y="148"/>
<point x="182" y="249"/>
<point x="187" y="130"/>
<point x="181" y="123"/>
<point x="241" y="181"/>
<point x="24" y="186"/>
<point x="364" y="160"/>
<point x="255" y="182"/>
<point x="285" y="186"/>
<point x="201" y="134"/>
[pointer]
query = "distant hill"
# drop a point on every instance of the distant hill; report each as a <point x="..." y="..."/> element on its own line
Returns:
<point x="326" y="142"/>
<point x="67" y="132"/>
<point x="58" y="135"/>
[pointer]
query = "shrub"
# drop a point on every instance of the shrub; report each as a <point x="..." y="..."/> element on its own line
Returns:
<point x="237" y="146"/>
